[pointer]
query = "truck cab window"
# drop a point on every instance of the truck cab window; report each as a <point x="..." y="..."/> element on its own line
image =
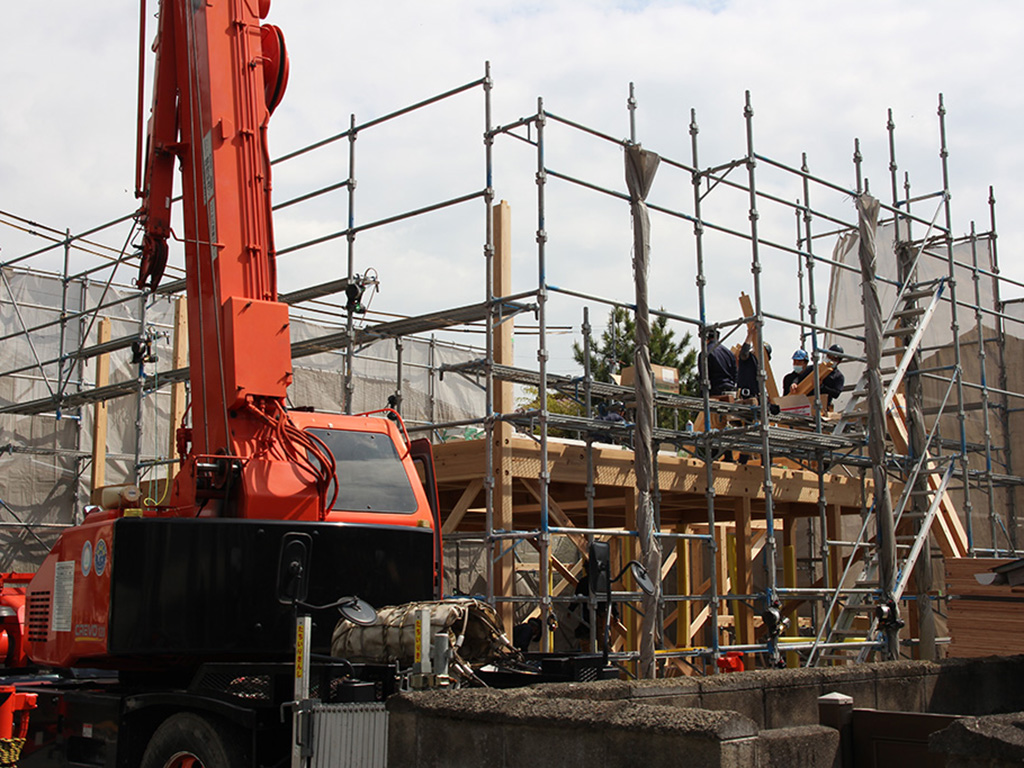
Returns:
<point x="370" y="473"/>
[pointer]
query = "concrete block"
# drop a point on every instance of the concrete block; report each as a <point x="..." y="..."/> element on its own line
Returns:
<point x="626" y="748"/>
<point x="599" y="690"/>
<point x="857" y="682"/>
<point x="741" y="692"/>
<point x="900" y="685"/>
<point x="976" y="686"/>
<point x="738" y="753"/>
<point x="673" y="692"/>
<point x="805" y="746"/>
<point x="402" y="749"/>
<point x="791" y="699"/>
<point x="546" y="745"/>
<point x="996" y="741"/>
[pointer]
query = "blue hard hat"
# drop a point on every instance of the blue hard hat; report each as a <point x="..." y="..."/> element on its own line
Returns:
<point x="800" y="354"/>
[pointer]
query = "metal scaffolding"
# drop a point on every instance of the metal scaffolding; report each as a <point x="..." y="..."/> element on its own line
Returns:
<point x="926" y="419"/>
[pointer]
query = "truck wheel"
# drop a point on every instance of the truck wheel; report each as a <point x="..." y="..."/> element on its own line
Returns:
<point x="188" y="740"/>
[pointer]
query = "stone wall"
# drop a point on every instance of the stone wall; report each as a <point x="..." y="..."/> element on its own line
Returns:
<point x="756" y="719"/>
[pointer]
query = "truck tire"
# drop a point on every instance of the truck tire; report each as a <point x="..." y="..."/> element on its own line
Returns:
<point x="188" y="740"/>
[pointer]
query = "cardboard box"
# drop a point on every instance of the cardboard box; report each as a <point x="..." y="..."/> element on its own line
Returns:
<point x="795" y="405"/>
<point x="665" y="379"/>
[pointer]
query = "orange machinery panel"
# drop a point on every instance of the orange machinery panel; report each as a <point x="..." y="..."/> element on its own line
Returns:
<point x="257" y="353"/>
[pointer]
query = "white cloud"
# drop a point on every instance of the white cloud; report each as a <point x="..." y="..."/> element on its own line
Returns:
<point x="820" y="73"/>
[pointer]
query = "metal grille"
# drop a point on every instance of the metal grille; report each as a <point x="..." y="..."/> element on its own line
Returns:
<point x="39" y="616"/>
<point x="350" y="736"/>
<point x="248" y="687"/>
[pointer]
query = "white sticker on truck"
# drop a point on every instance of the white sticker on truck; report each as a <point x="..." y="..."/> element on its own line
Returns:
<point x="63" y="596"/>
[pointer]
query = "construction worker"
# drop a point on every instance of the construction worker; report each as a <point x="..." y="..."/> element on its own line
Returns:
<point x="801" y="367"/>
<point x="721" y="366"/>
<point x="832" y="385"/>
<point x="747" y="366"/>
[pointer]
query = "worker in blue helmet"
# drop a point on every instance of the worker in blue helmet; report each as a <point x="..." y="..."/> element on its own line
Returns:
<point x="801" y="367"/>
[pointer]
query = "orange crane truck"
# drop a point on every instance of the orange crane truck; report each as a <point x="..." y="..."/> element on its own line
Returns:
<point x="163" y="636"/>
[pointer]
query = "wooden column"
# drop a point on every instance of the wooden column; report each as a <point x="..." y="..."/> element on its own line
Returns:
<point x="701" y="578"/>
<point x="99" y="417"/>
<point x="744" y="572"/>
<point x="790" y="579"/>
<point x="834" y="523"/>
<point x="684" y="586"/>
<point x="721" y="565"/>
<point x="834" y="531"/>
<point x="630" y="551"/>
<point x="504" y="402"/>
<point x="180" y="352"/>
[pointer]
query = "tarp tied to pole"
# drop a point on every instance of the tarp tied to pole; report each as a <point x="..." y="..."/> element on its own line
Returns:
<point x="867" y="217"/>
<point x="641" y="167"/>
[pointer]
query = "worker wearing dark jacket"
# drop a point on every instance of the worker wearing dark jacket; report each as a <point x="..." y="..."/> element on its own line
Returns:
<point x="721" y="365"/>
<point x="801" y="367"/>
<point x="832" y="385"/>
<point x="747" y="365"/>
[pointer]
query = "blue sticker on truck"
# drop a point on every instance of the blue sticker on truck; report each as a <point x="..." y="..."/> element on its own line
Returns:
<point x="100" y="558"/>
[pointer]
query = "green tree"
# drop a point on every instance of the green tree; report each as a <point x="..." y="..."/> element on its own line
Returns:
<point x="558" y="404"/>
<point x="617" y="344"/>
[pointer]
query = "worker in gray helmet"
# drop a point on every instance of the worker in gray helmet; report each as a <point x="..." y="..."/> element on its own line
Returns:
<point x="832" y="385"/>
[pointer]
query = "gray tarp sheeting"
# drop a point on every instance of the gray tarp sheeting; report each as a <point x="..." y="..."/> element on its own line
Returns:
<point x="45" y="460"/>
<point x="641" y="167"/>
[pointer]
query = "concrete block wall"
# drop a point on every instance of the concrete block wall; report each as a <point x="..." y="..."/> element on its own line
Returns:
<point x="761" y="718"/>
<point x="467" y="729"/>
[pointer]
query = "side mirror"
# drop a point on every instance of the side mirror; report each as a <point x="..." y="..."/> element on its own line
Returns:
<point x="599" y="567"/>
<point x="293" y="568"/>
<point x="642" y="578"/>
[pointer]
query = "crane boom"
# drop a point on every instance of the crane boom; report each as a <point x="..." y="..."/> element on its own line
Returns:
<point x="219" y="74"/>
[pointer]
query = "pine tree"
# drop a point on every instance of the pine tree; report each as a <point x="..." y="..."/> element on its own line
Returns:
<point x="615" y="349"/>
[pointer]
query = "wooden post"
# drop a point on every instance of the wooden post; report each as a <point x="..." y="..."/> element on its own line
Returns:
<point x="180" y="353"/>
<point x="744" y="571"/>
<point x="701" y="573"/>
<point x="747" y="307"/>
<point x="630" y="551"/>
<point x="789" y="579"/>
<point x="504" y="402"/>
<point x="99" y="418"/>
<point x="834" y="531"/>
<point x="684" y="586"/>
<point x="722" y="573"/>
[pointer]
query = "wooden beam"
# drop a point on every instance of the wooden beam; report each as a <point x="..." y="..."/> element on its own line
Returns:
<point x="504" y="402"/>
<point x="806" y="385"/>
<point x="789" y="579"/>
<point x="630" y="551"/>
<point x="684" y="585"/>
<point x="744" y="575"/>
<point x="461" y="461"/>
<point x="179" y="400"/>
<point x="99" y="419"/>
<point x="949" y="531"/>
<point x="747" y="307"/>
<point x="558" y="515"/>
<point x="451" y="523"/>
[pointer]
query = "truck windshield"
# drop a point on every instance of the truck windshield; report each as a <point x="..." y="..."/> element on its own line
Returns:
<point x="370" y="473"/>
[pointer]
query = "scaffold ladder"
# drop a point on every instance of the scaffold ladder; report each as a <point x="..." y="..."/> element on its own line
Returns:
<point x="902" y="333"/>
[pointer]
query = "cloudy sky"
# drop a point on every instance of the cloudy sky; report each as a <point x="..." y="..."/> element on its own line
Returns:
<point x="820" y="73"/>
